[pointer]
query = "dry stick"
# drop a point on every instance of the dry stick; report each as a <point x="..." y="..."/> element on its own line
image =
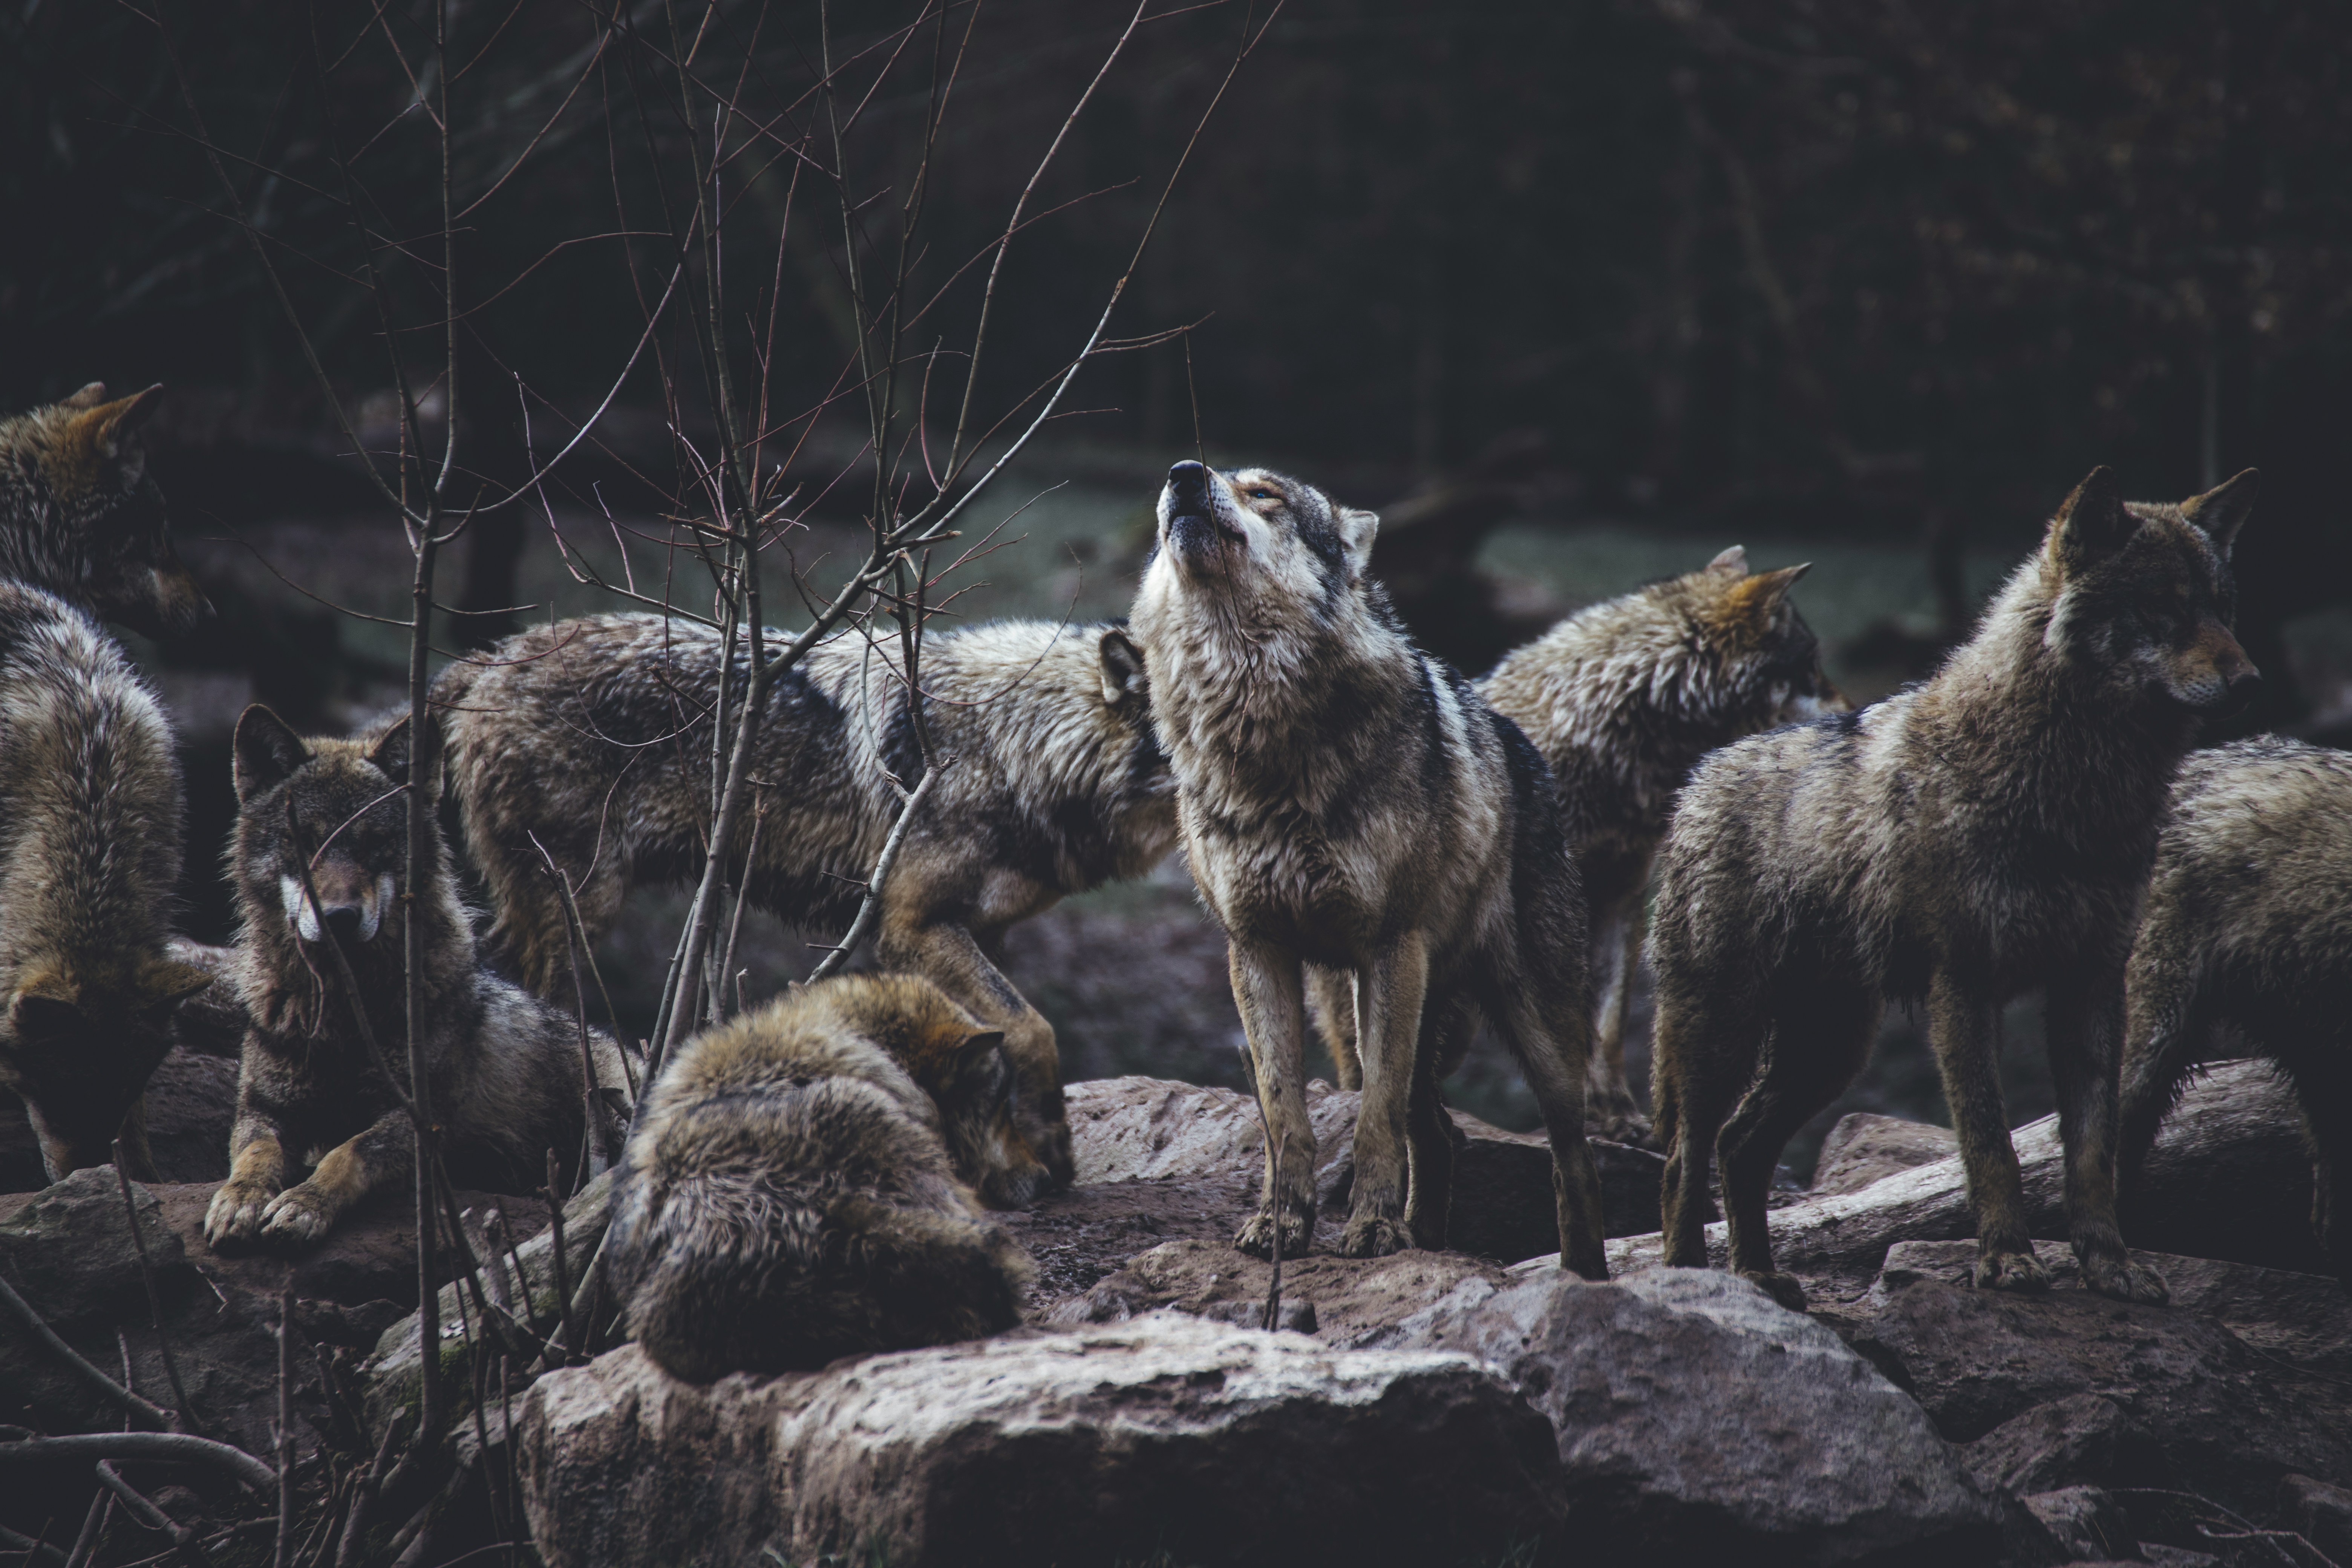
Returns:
<point x="31" y="1546"/>
<point x="743" y="894"/>
<point x="555" y="1239"/>
<point x="284" y="1557"/>
<point x="514" y="1465"/>
<point x="141" y="1508"/>
<point x="597" y="1145"/>
<point x="175" y="1448"/>
<point x="1273" y="1284"/>
<point x="187" y="1416"/>
<point x="347" y="1550"/>
<point x="74" y="1360"/>
<point x="873" y="899"/>
<point x="92" y="1523"/>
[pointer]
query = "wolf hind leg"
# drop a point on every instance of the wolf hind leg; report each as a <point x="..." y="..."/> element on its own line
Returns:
<point x="1434" y="1142"/>
<point x="2167" y="1027"/>
<point x="1816" y="1047"/>
<point x="1549" y="1035"/>
<point x="1332" y="999"/>
<point x="2085" y="1034"/>
<point x="1268" y="988"/>
<point x="1610" y="1106"/>
<point x="1703" y="1051"/>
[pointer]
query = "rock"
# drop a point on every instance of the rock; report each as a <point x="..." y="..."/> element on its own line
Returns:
<point x="2086" y="1523"/>
<point x="1697" y="1420"/>
<point x="191" y="1101"/>
<point x="2228" y="1178"/>
<point x="1864" y="1147"/>
<point x="1134" y="1128"/>
<point x="2225" y="1419"/>
<point x="2177" y="1556"/>
<point x="1353" y="1300"/>
<point x="2319" y="1512"/>
<point x="2084" y="1440"/>
<point x="1212" y="1444"/>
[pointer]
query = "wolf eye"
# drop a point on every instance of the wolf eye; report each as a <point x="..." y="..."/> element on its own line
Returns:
<point x="1259" y="492"/>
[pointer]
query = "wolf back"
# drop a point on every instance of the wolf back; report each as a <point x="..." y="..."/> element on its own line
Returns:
<point x="1988" y="833"/>
<point x="594" y="735"/>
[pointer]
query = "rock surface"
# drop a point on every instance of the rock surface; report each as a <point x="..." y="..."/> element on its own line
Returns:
<point x="1353" y="1300"/>
<point x="1697" y="1420"/>
<point x="1864" y="1147"/>
<point x="1218" y="1445"/>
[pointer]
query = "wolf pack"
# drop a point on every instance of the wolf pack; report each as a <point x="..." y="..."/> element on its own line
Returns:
<point x="1398" y="857"/>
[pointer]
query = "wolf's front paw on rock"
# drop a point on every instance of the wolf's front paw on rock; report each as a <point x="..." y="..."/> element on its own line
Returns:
<point x="1256" y="1237"/>
<point x="2012" y="1271"/>
<point x="2125" y="1280"/>
<point x="1375" y="1235"/>
<point x="235" y="1211"/>
<point x="298" y="1216"/>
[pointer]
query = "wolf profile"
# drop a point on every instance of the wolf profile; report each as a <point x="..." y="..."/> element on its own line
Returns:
<point x="505" y="1072"/>
<point x="2247" y="928"/>
<point x="1988" y="833"/>
<point x="793" y="1190"/>
<point x="81" y="517"/>
<point x="89" y="860"/>
<point x="1623" y="698"/>
<point x="1350" y="807"/>
<point x="594" y="737"/>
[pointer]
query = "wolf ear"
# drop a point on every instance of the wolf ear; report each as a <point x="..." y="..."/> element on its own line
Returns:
<point x="267" y="751"/>
<point x="89" y="396"/>
<point x="1758" y="599"/>
<point x="395" y="754"/>
<point x="979" y="1060"/>
<point x="2221" y="511"/>
<point x="1732" y="562"/>
<point x="168" y="983"/>
<point x="106" y="426"/>
<point x="1122" y="668"/>
<point x="1357" y="528"/>
<point x="2092" y="524"/>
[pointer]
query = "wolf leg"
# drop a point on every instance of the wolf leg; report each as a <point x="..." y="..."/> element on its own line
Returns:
<point x="1269" y="989"/>
<point x="305" y="1212"/>
<point x="1616" y="958"/>
<point x="1550" y="1036"/>
<point x="1434" y="1142"/>
<point x="2165" y="1032"/>
<point x="256" y="1170"/>
<point x="1959" y="1024"/>
<point x="1701" y="1055"/>
<point x="947" y="954"/>
<point x="1816" y="1047"/>
<point x="1389" y="995"/>
<point x="2321" y="1085"/>
<point x="1331" y="996"/>
<point x="2086" y="1034"/>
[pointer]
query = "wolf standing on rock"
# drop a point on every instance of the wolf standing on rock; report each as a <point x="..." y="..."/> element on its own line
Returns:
<point x="1349" y="803"/>
<point x="507" y="1080"/>
<point x="1983" y="835"/>
<point x="594" y="736"/>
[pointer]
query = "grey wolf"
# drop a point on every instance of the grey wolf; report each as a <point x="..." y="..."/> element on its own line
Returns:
<point x="1349" y="805"/>
<point x="2247" y="928"/>
<point x="1988" y="833"/>
<point x="89" y="859"/>
<point x="504" y="1066"/>
<point x="81" y="517"/>
<point x="793" y="1190"/>
<point x="1623" y="698"/>
<point x="595" y="736"/>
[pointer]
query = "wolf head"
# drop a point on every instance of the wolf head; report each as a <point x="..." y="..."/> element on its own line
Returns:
<point x="348" y="805"/>
<point x="81" y="517"/>
<point x="1260" y="540"/>
<point x="80" y="1042"/>
<point x="1764" y="661"/>
<point x="2145" y="591"/>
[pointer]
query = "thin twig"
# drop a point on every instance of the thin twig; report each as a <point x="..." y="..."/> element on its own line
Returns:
<point x="74" y="1360"/>
<point x="597" y="1153"/>
<point x="872" y="902"/>
<point x="169" y="1446"/>
<point x="555" y="1239"/>
<point x="284" y="1556"/>
<point x="187" y="1415"/>
<point x="347" y="1550"/>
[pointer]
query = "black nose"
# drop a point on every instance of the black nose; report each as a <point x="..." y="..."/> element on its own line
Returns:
<point x="343" y="919"/>
<point x="1188" y="477"/>
<point x="2244" y="687"/>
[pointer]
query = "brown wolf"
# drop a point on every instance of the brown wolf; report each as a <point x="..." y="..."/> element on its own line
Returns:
<point x="1985" y="834"/>
<point x="2248" y="927"/>
<point x="1623" y="699"/>
<point x="90" y="858"/>
<point x="506" y="1074"/>
<point x="80" y="516"/>
<point x="1348" y="804"/>
<point x="793" y="1190"/>
<point x="594" y="736"/>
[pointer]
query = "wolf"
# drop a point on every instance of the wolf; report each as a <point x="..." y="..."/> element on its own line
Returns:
<point x="1349" y="805"/>
<point x="81" y="517"/>
<point x="1985" y="832"/>
<point x="506" y="1077"/>
<point x="2247" y="928"/>
<point x="89" y="861"/>
<point x="1623" y="698"/>
<point x="593" y="736"/>
<point x="795" y="1190"/>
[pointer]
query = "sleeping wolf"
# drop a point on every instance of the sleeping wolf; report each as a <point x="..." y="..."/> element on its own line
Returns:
<point x="90" y="858"/>
<point x="594" y="735"/>
<point x="1348" y="804"/>
<point x="80" y="516"/>
<point x="1623" y="699"/>
<point x="1985" y="834"/>
<point x="794" y="1191"/>
<point x="507" y="1080"/>
<point x="2248" y="926"/>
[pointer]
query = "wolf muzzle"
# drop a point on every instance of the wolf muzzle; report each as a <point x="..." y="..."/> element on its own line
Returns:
<point x="1196" y="525"/>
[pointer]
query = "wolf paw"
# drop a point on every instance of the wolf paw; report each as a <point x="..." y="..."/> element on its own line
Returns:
<point x="1630" y="1128"/>
<point x="1375" y="1236"/>
<point x="1782" y="1287"/>
<point x="298" y="1216"/>
<point x="2125" y="1280"/>
<point x="235" y="1211"/>
<point x="2012" y="1271"/>
<point x="1256" y="1237"/>
<point x="1053" y="1149"/>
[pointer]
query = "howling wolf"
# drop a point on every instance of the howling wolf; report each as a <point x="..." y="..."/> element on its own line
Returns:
<point x="1348" y="804"/>
<point x="506" y="1076"/>
<point x="1983" y="835"/>
<point x="794" y="1191"/>
<point x="81" y="517"/>
<point x="594" y="736"/>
